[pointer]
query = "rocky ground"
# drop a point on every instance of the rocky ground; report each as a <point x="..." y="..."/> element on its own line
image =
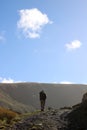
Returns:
<point x="77" y="118"/>
<point x="74" y="118"/>
<point x="47" y="120"/>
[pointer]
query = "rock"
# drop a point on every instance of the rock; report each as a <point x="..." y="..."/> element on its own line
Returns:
<point x="57" y="119"/>
<point x="77" y="118"/>
<point x="84" y="97"/>
<point x="48" y="120"/>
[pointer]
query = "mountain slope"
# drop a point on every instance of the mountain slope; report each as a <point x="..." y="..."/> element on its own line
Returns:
<point x="7" y="101"/>
<point x="26" y="95"/>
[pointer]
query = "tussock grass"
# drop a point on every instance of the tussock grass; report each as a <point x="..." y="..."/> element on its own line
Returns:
<point x="6" y="116"/>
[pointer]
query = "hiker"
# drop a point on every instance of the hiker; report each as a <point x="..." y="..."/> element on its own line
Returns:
<point x="42" y="99"/>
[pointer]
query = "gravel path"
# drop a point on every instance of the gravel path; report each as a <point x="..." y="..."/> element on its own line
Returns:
<point x="48" y="120"/>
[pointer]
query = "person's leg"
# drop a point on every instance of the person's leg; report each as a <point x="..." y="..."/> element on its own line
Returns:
<point x="42" y="105"/>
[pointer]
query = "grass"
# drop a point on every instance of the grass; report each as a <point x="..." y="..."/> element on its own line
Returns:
<point x="8" y="117"/>
<point x="25" y="115"/>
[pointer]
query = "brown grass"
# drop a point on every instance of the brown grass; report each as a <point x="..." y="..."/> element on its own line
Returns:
<point x="7" y="115"/>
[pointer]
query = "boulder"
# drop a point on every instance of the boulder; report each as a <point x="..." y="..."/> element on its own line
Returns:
<point x="84" y="97"/>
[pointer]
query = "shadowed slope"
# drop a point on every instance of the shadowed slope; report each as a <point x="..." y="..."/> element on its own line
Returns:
<point x="58" y="95"/>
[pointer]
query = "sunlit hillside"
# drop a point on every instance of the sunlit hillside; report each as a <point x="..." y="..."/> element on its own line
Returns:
<point x="25" y="96"/>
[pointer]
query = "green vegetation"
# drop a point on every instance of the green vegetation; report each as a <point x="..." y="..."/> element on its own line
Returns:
<point x="7" y="118"/>
<point x="25" y="115"/>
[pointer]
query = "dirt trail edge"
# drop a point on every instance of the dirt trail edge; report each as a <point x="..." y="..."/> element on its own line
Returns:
<point x="48" y="120"/>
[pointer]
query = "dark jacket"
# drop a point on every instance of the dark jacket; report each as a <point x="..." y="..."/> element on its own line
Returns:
<point x="42" y="95"/>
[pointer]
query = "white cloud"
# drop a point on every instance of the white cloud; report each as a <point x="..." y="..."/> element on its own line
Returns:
<point x="65" y="82"/>
<point x="84" y="83"/>
<point x="4" y="80"/>
<point x="8" y="80"/>
<point x="33" y="35"/>
<point x="31" y="22"/>
<point x="73" y="45"/>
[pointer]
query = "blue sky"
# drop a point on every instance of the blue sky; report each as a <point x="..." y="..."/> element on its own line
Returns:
<point x="43" y="41"/>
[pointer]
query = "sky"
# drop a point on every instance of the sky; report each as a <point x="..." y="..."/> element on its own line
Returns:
<point x="43" y="41"/>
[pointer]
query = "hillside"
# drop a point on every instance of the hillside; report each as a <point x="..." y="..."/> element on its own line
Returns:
<point x="25" y="96"/>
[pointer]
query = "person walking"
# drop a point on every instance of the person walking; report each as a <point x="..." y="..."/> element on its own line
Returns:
<point x="43" y="97"/>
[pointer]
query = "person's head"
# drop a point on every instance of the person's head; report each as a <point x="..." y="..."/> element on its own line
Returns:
<point x="42" y="91"/>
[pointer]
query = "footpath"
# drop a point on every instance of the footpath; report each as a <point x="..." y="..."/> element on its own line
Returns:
<point x="47" y="120"/>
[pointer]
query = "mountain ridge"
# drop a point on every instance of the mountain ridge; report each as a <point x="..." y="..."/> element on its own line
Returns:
<point x="26" y="94"/>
